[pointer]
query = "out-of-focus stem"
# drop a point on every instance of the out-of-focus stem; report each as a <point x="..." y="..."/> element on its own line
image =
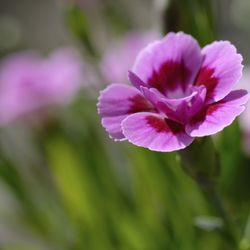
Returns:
<point x="245" y="241"/>
<point x="200" y="161"/>
<point x="79" y="24"/>
<point x="208" y="187"/>
<point x="195" y="17"/>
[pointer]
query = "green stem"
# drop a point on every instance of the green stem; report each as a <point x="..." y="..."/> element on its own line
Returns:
<point x="245" y="241"/>
<point x="208" y="187"/>
<point x="201" y="161"/>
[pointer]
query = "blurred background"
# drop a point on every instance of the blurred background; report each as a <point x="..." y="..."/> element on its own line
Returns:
<point x="64" y="184"/>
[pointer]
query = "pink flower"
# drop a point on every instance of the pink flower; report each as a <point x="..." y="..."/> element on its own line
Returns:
<point x="179" y="92"/>
<point x="29" y="82"/>
<point x="121" y="55"/>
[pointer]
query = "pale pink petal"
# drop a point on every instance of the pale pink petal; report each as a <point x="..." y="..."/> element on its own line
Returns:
<point x="154" y="132"/>
<point x="170" y="64"/>
<point x="118" y="101"/>
<point x="220" y="71"/>
<point x="113" y="126"/>
<point x="218" y="115"/>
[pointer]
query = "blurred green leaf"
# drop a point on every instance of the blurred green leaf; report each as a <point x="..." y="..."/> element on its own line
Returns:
<point x="200" y="160"/>
<point x="79" y="25"/>
<point x="195" y="17"/>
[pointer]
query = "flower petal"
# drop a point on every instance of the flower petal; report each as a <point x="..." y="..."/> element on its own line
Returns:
<point x="220" y="70"/>
<point x="135" y="80"/>
<point x="218" y="115"/>
<point x="116" y="102"/>
<point x="179" y="110"/>
<point x="113" y="126"/>
<point x="170" y="64"/>
<point x="154" y="132"/>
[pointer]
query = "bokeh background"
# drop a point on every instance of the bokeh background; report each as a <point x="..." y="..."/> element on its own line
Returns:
<point x="64" y="184"/>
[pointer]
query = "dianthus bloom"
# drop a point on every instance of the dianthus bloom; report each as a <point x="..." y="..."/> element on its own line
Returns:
<point x="179" y="92"/>
<point x="29" y="82"/>
<point x="125" y="51"/>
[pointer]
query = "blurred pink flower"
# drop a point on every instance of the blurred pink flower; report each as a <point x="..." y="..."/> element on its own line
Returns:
<point x="29" y="82"/>
<point x="119" y="57"/>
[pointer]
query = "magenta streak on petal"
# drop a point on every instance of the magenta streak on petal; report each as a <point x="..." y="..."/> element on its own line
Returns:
<point x="135" y="80"/>
<point x="170" y="77"/>
<point x="164" y="125"/>
<point x="138" y="104"/>
<point x="235" y="98"/>
<point x="206" y="77"/>
<point x="215" y="117"/>
<point x="154" y="132"/>
<point x="201" y="116"/>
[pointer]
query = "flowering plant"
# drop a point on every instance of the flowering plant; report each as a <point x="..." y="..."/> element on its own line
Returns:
<point x="179" y="92"/>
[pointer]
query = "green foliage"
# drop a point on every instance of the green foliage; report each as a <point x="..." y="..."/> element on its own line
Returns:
<point x="78" y="22"/>
<point x="98" y="194"/>
<point x="194" y="17"/>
